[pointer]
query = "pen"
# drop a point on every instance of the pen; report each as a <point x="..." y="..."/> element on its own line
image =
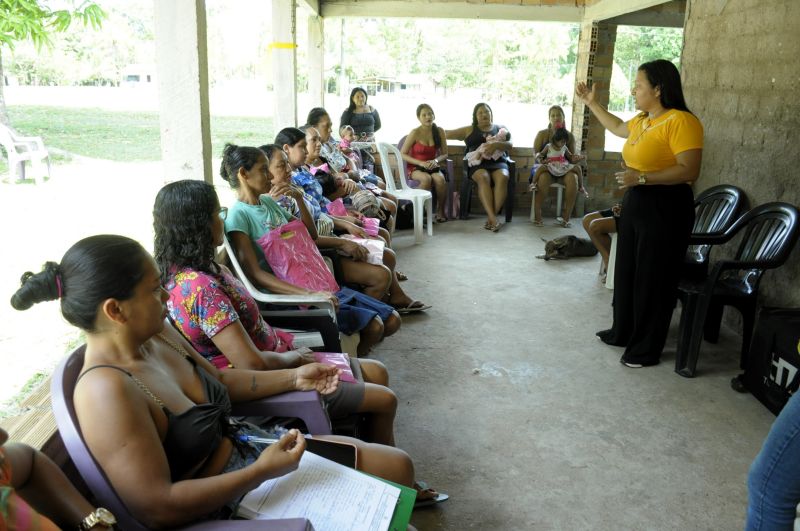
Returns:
<point x="253" y="438"/>
<point x="263" y="440"/>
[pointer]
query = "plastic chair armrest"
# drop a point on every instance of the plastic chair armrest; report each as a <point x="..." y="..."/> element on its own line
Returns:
<point x="37" y="141"/>
<point x="736" y="264"/>
<point x="318" y="320"/>
<point x="709" y="238"/>
<point x="305" y="405"/>
<point x="317" y="301"/>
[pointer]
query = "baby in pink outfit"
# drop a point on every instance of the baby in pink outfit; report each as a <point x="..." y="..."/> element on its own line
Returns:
<point x="474" y="158"/>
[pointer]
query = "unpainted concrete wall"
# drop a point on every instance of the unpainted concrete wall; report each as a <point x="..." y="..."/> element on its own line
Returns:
<point x="741" y="69"/>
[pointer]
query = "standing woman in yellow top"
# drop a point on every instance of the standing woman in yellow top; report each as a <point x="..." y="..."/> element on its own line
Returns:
<point x="662" y="157"/>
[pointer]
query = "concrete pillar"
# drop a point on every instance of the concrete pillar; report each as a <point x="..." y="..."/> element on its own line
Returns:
<point x="595" y="59"/>
<point x="182" y="67"/>
<point x="316" y="60"/>
<point x="284" y="62"/>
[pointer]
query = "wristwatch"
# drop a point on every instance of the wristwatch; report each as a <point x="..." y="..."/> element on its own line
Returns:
<point x="99" y="516"/>
<point x="642" y="178"/>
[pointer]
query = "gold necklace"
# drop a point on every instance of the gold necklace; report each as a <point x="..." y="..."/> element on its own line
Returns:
<point x="648" y="126"/>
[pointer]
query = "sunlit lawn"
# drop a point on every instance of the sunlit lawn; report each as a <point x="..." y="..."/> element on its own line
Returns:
<point x="84" y="196"/>
<point x="123" y="136"/>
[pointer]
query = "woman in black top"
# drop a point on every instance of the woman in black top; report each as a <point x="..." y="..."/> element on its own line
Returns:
<point x="490" y="175"/>
<point x="363" y="118"/>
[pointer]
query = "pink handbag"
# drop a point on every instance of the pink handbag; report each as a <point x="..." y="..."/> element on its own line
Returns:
<point x="337" y="208"/>
<point x="293" y="257"/>
<point x="340" y="360"/>
<point x="371" y="226"/>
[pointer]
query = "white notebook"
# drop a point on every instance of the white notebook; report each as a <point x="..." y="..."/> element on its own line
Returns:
<point x="332" y="496"/>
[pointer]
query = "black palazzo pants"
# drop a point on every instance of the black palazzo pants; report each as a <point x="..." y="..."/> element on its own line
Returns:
<point x="653" y="234"/>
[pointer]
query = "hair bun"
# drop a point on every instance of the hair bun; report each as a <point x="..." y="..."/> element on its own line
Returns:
<point x="37" y="287"/>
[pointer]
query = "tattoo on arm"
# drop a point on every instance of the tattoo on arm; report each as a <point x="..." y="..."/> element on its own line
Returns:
<point x="254" y="385"/>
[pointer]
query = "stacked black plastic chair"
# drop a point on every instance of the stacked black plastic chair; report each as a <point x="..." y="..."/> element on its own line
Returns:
<point x="770" y="232"/>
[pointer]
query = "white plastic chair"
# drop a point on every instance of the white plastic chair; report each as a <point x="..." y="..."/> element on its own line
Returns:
<point x="271" y="298"/>
<point x="324" y="306"/>
<point x="612" y="259"/>
<point x="419" y="198"/>
<point x="558" y="186"/>
<point x="24" y="148"/>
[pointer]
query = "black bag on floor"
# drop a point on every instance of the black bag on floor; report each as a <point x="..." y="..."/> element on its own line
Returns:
<point x="772" y="372"/>
<point x="405" y="215"/>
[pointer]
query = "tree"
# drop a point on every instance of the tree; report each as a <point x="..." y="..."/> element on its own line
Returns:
<point x="32" y="19"/>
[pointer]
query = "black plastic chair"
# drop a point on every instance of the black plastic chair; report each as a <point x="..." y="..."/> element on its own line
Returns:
<point x="467" y="185"/>
<point x="770" y="233"/>
<point x="715" y="210"/>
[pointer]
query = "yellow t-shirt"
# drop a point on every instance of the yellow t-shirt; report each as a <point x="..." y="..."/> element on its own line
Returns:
<point x="653" y="144"/>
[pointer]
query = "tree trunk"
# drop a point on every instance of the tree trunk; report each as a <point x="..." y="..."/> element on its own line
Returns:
<point x="3" y="111"/>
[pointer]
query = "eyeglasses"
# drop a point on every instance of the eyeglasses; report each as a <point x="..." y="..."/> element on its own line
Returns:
<point x="223" y="213"/>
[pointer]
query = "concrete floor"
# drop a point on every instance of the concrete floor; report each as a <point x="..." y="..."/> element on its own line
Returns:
<point x="509" y="404"/>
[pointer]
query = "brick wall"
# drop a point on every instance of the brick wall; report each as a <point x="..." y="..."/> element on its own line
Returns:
<point x="595" y="58"/>
<point x="740" y="69"/>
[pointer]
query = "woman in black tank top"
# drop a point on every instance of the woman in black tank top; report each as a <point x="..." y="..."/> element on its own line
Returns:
<point x="491" y="175"/>
<point x="154" y="413"/>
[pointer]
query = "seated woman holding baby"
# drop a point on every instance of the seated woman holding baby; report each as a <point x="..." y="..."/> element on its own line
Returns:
<point x="543" y="176"/>
<point x="298" y="146"/>
<point x="488" y="145"/>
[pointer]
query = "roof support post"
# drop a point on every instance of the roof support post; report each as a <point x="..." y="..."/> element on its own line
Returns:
<point x="182" y="66"/>
<point x="284" y="63"/>
<point x="316" y="60"/>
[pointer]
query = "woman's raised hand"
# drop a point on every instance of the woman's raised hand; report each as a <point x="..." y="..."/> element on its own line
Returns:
<point x="317" y="377"/>
<point x="279" y="190"/>
<point x="585" y="94"/>
<point x="282" y="457"/>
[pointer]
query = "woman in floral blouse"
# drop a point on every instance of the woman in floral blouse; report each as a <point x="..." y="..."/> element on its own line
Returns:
<point x="213" y="310"/>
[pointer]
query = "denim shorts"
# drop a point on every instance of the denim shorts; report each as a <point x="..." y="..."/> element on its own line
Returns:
<point x="356" y="310"/>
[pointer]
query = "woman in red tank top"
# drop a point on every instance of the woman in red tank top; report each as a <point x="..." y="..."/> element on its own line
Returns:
<point x="424" y="149"/>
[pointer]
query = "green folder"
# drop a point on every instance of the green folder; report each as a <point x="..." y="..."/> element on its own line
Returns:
<point x="405" y="504"/>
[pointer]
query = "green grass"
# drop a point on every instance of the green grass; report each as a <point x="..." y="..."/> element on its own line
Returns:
<point x="124" y="136"/>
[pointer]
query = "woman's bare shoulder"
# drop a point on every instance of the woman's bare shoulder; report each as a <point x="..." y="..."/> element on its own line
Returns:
<point x="103" y="386"/>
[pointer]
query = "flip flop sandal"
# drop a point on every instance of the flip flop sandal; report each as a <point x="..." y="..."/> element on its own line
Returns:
<point x="401" y="276"/>
<point x="412" y="307"/>
<point x="429" y="496"/>
<point x="441" y="219"/>
<point x="497" y="227"/>
<point x="538" y="223"/>
<point x="561" y="223"/>
<point x="487" y="226"/>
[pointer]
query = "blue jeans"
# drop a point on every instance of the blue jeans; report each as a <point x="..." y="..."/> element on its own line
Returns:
<point x="774" y="481"/>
